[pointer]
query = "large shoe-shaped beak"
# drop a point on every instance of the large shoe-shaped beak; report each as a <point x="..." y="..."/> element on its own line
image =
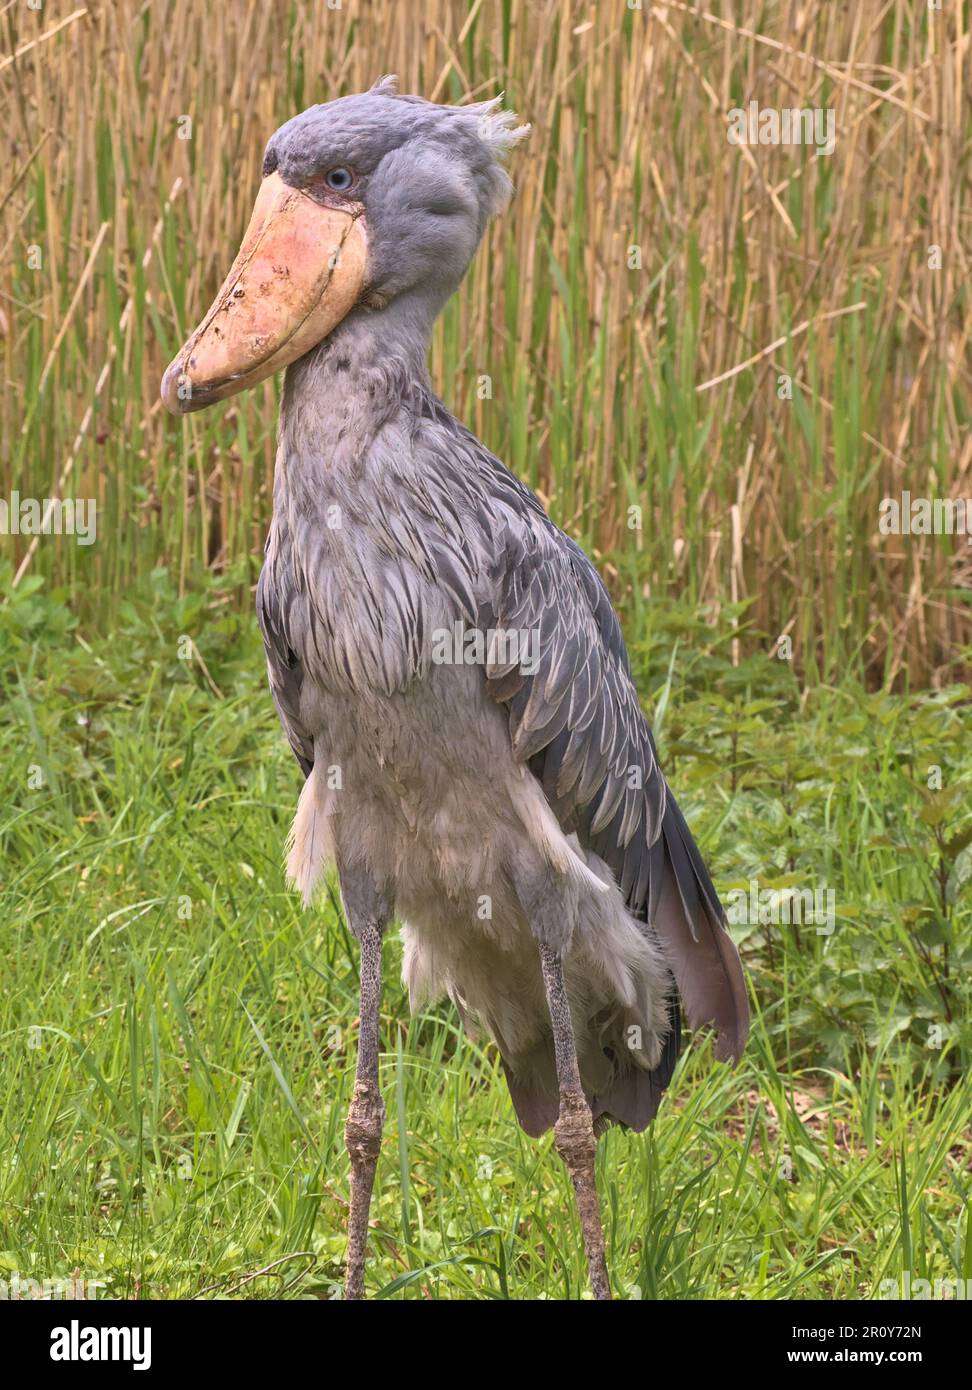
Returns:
<point x="299" y="271"/>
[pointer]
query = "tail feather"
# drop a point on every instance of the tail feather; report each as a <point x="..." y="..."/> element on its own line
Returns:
<point x="536" y="1105"/>
<point x="631" y="1097"/>
<point x="690" y="925"/>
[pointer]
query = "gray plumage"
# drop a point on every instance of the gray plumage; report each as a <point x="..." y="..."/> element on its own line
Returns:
<point x="490" y="804"/>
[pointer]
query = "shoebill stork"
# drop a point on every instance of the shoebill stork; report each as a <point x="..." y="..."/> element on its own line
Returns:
<point x="446" y="663"/>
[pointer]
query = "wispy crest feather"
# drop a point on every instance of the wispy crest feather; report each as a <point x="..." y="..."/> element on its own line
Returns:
<point x="493" y="125"/>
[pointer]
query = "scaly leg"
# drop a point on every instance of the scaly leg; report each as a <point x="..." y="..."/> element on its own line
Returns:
<point x="574" y="1130"/>
<point x="367" y="915"/>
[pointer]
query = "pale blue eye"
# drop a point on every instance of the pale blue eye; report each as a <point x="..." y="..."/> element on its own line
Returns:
<point x="340" y="179"/>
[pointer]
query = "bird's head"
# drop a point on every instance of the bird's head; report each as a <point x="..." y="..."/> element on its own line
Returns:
<point x="363" y="199"/>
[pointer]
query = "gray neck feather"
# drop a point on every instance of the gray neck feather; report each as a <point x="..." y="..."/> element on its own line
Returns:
<point x="337" y="397"/>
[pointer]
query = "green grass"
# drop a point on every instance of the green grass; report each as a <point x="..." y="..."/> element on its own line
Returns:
<point x="177" y="1036"/>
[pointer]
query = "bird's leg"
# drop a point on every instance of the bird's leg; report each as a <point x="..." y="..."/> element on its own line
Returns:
<point x="574" y="1130"/>
<point x="367" y="915"/>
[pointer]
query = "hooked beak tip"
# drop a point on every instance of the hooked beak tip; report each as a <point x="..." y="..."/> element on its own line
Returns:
<point x="173" y="385"/>
<point x="179" y="395"/>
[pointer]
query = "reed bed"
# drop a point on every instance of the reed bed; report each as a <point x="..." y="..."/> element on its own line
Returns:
<point x="623" y="339"/>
